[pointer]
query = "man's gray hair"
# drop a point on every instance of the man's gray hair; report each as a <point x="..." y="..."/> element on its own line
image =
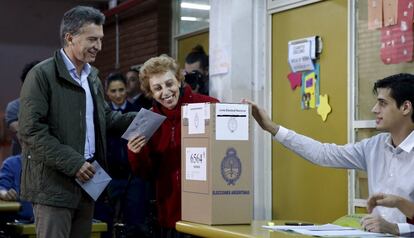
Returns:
<point x="74" y="19"/>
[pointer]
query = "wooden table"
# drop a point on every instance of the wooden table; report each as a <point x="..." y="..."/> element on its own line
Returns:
<point x="28" y="230"/>
<point x="253" y="230"/>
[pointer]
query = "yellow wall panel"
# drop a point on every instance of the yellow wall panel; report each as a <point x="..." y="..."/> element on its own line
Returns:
<point x="302" y="190"/>
<point x="185" y="45"/>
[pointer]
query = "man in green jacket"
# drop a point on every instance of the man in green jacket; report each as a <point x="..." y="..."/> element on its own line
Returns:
<point x="63" y="123"/>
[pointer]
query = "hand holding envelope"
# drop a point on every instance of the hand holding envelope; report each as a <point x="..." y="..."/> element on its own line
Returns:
<point x="139" y="131"/>
<point x="95" y="186"/>
<point x="144" y="124"/>
<point x="135" y="145"/>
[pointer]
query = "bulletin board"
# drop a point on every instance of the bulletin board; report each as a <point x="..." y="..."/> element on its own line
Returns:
<point x="186" y="44"/>
<point x="302" y="190"/>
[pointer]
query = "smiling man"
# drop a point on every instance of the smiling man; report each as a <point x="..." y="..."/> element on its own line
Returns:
<point x="63" y="123"/>
<point x="388" y="158"/>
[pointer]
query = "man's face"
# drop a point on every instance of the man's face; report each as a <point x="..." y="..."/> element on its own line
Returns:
<point x="196" y="66"/>
<point x="83" y="47"/>
<point x="165" y="89"/>
<point x="388" y="116"/>
<point x="117" y="92"/>
<point x="132" y="83"/>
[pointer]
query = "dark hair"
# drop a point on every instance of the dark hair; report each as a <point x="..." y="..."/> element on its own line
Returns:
<point x="198" y="54"/>
<point x="27" y="68"/>
<point x="133" y="69"/>
<point x="115" y="76"/>
<point x="401" y="88"/>
<point x="74" y="19"/>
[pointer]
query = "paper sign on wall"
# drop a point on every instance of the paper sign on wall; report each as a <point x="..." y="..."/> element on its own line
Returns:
<point x="374" y="14"/>
<point x="310" y="89"/>
<point x="232" y="121"/>
<point x="196" y="163"/>
<point x="300" y="55"/>
<point x="390" y="12"/>
<point x="397" y="40"/>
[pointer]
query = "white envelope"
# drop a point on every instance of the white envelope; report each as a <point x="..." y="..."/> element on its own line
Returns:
<point x="145" y="123"/>
<point x="95" y="186"/>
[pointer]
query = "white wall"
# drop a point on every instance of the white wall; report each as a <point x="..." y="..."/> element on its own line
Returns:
<point x="238" y="40"/>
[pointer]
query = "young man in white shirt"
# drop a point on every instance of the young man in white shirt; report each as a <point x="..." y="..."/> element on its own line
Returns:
<point x="388" y="158"/>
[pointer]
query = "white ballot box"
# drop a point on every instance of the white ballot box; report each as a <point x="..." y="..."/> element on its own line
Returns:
<point x="216" y="163"/>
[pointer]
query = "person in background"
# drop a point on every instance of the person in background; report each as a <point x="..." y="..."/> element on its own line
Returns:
<point x="127" y="193"/>
<point x="63" y="120"/>
<point x="10" y="187"/>
<point x="196" y="70"/>
<point x="12" y="111"/>
<point x="161" y="154"/>
<point x="135" y="95"/>
<point x="387" y="157"/>
<point x="388" y="200"/>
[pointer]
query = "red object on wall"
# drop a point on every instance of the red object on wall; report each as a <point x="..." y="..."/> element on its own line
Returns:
<point x="397" y="40"/>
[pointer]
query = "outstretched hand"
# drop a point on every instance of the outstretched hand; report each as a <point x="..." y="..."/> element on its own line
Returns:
<point x="262" y="118"/>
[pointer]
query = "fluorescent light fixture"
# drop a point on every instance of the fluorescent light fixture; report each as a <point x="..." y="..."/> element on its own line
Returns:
<point x="195" y="6"/>
<point x="189" y="19"/>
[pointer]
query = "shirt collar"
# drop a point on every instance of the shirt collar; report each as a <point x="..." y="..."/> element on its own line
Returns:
<point x="408" y="143"/>
<point x="71" y="67"/>
<point x="116" y="107"/>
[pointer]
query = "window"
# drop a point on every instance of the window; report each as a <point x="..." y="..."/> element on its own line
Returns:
<point x="368" y="68"/>
<point x="193" y="15"/>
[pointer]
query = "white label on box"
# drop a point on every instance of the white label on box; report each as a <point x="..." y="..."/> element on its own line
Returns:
<point x="196" y="118"/>
<point x="232" y="121"/>
<point x="196" y="163"/>
<point x="185" y="111"/>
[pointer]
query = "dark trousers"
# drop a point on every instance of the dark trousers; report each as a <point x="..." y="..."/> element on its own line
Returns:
<point x="60" y="222"/>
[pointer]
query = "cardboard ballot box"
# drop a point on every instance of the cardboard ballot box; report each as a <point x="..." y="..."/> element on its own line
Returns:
<point x="216" y="163"/>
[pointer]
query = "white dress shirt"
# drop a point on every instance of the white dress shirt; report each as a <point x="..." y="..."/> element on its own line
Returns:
<point x="82" y="80"/>
<point x="390" y="170"/>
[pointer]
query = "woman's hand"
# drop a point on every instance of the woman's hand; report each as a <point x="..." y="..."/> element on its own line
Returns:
<point x="135" y="145"/>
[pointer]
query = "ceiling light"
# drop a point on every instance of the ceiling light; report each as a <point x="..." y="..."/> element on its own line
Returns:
<point x="195" y="6"/>
<point x="189" y="19"/>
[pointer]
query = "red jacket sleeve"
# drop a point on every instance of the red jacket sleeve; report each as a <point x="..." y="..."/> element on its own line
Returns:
<point x="140" y="163"/>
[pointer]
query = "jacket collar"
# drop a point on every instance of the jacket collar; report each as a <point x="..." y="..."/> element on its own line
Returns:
<point x="64" y="74"/>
